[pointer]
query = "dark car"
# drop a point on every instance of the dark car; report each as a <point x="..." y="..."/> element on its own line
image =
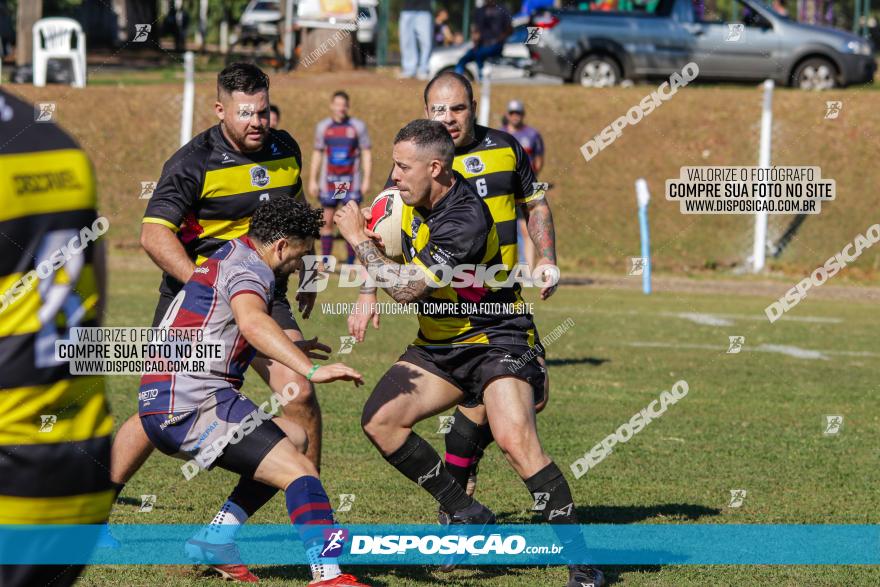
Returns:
<point x="656" y="38"/>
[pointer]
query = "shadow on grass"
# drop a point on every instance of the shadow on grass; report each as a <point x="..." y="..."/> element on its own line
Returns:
<point x="577" y="361"/>
<point x="412" y="574"/>
<point x="621" y="514"/>
<point x="628" y="514"/>
<point x="128" y="501"/>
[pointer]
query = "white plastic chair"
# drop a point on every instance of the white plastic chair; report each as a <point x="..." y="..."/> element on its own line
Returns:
<point x="53" y="39"/>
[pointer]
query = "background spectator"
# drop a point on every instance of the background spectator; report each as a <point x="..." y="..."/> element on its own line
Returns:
<point x="415" y="31"/>
<point x="533" y="144"/>
<point x="442" y="31"/>
<point x="274" y="116"/>
<point x="491" y="28"/>
<point x="779" y="7"/>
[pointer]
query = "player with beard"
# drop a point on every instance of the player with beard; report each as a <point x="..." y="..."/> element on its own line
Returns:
<point x="498" y="169"/>
<point x="464" y="347"/>
<point x="205" y="197"/>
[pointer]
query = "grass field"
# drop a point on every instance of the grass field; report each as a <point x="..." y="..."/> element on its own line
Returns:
<point x="751" y="421"/>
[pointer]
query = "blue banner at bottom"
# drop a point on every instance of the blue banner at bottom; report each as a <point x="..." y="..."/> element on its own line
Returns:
<point x="635" y="544"/>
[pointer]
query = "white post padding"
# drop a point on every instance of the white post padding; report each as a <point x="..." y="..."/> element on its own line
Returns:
<point x="760" y="246"/>
<point x="189" y="94"/>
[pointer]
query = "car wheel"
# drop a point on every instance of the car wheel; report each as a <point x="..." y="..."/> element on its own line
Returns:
<point x="815" y="74"/>
<point x="597" y="71"/>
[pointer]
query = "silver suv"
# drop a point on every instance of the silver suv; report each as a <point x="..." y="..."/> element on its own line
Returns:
<point x="657" y="37"/>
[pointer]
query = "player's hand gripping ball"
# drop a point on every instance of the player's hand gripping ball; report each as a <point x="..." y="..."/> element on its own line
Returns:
<point x="385" y="219"/>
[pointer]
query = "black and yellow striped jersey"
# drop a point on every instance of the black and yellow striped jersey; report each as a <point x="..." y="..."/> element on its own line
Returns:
<point x="208" y="191"/>
<point x="54" y="427"/>
<point x="499" y="170"/>
<point x="451" y="243"/>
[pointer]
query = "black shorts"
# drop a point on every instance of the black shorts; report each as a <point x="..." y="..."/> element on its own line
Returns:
<point x="472" y="367"/>
<point x="30" y="575"/>
<point x="279" y="309"/>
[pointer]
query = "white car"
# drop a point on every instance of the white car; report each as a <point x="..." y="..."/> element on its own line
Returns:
<point x="514" y="63"/>
<point x="260" y="20"/>
<point x="368" y="18"/>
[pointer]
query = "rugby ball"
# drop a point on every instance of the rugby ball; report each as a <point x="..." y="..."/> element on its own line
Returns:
<point x="386" y="212"/>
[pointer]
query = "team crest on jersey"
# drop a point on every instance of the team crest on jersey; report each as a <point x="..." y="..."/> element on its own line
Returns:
<point x="349" y="132"/>
<point x="259" y="176"/>
<point x="474" y="164"/>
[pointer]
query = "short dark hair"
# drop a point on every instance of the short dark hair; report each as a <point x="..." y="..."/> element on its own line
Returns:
<point x="429" y="134"/>
<point x="448" y="76"/>
<point x="285" y="217"/>
<point x="340" y="94"/>
<point x="275" y="109"/>
<point x="242" y="77"/>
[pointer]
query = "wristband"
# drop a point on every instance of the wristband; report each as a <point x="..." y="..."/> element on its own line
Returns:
<point x="312" y="371"/>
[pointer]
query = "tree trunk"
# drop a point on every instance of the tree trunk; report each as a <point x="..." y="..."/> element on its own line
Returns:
<point x="28" y="13"/>
<point x="326" y="50"/>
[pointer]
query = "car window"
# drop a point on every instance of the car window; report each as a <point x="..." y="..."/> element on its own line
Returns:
<point x="266" y="6"/>
<point x="726" y="11"/>
<point x="654" y="7"/>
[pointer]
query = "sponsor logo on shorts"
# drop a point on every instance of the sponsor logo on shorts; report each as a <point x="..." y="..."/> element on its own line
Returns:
<point x="173" y="420"/>
<point x="148" y="394"/>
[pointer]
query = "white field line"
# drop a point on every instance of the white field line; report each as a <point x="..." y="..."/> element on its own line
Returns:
<point x="789" y="350"/>
<point x="706" y="318"/>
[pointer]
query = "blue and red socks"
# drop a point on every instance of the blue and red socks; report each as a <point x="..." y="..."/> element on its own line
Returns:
<point x="326" y="244"/>
<point x="309" y="509"/>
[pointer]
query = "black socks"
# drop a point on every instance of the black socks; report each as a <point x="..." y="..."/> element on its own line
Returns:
<point x="420" y="463"/>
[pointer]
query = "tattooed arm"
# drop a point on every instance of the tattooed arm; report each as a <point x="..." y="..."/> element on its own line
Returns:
<point x="532" y="200"/>
<point x="540" y="222"/>
<point x="404" y="283"/>
<point x="404" y="287"/>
